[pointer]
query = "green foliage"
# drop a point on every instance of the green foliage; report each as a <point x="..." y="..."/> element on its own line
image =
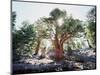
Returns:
<point x="41" y="28"/>
<point x="57" y="13"/>
<point x="73" y="45"/>
<point x="91" y="37"/>
<point x="79" y="45"/>
<point x="72" y="26"/>
<point x="13" y="18"/>
<point x="23" y="41"/>
<point x="91" y="27"/>
<point x="92" y="15"/>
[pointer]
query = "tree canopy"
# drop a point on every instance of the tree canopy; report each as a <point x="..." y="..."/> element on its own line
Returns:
<point x="23" y="41"/>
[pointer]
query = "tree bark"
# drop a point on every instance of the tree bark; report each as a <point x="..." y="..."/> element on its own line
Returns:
<point x="89" y="44"/>
<point x="59" y="54"/>
<point x="37" y="48"/>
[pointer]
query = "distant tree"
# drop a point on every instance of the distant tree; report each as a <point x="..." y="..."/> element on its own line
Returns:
<point x="13" y="19"/>
<point x="92" y="15"/>
<point x="74" y="44"/>
<point x="41" y="32"/>
<point x="64" y="28"/>
<point x="91" y="27"/>
<point x="23" y="41"/>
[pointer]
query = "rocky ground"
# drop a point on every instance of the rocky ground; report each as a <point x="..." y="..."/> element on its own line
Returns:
<point x="77" y="60"/>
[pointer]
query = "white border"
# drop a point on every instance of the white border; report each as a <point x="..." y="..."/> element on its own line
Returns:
<point x="5" y="37"/>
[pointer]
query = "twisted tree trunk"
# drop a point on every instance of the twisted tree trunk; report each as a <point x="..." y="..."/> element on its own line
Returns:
<point x="58" y="49"/>
<point x="59" y="53"/>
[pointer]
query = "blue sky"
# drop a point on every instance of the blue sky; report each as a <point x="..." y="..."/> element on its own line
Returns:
<point x="30" y="12"/>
